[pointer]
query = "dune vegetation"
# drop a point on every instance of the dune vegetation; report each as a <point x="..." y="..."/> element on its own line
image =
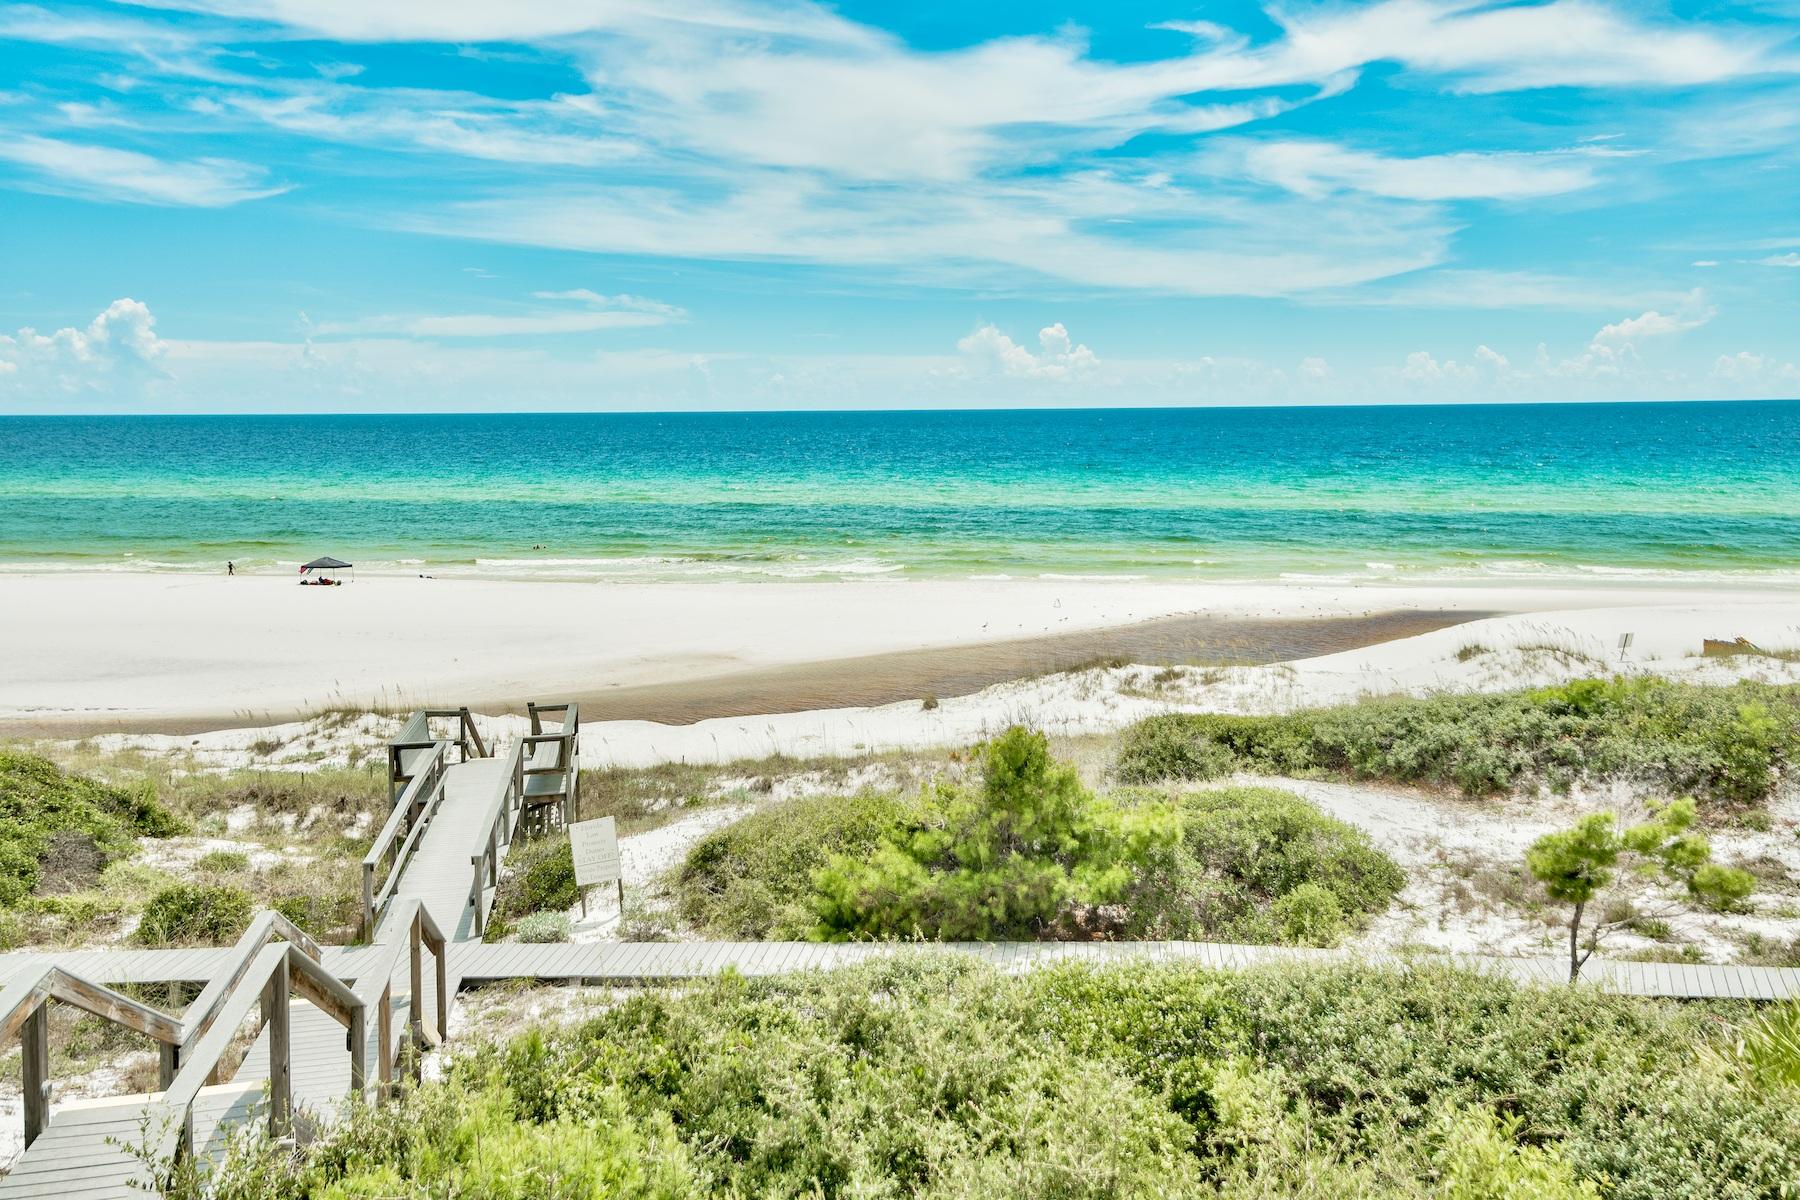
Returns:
<point x="1726" y="746"/>
<point x="1030" y="852"/>
<point x="928" y="1076"/>
<point x="76" y="868"/>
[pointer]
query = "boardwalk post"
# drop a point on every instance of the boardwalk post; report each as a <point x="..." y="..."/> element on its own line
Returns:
<point x="475" y="893"/>
<point x="34" y="1048"/>
<point x="384" y="1055"/>
<point x="358" y="1035"/>
<point x="281" y="1084"/>
<point x="368" y="900"/>
<point x="169" y="1053"/>
<point x="417" y="980"/>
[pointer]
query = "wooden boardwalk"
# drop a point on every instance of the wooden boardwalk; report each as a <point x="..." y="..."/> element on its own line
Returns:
<point x="626" y="963"/>
<point x="662" y="962"/>
<point x="82" y="1153"/>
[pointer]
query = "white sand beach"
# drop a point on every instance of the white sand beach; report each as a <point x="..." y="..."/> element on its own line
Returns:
<point x="146" y="651"/>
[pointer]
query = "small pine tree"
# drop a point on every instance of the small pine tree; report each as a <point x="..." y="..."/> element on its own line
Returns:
<point x="1575" y="865"/>
<point x="1007" y="860"/>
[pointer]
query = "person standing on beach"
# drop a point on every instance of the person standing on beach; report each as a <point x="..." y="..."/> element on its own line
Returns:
<point x="230" y="567"/>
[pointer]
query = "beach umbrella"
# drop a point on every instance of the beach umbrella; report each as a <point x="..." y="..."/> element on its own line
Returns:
<point x="325" y="564"/>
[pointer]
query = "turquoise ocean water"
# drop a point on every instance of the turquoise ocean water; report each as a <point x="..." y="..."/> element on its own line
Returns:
<point x="1543" y="492"/>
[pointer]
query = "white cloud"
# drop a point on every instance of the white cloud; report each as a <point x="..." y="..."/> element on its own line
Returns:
<point x="562" y="131"/>
<point x="1651" y="324"/>
<point x="992" y="234"/>
<point x="988" y="351"/>
<point x="1612" y="353"/>
<point x="1314" y="168"/>
<point x="1492" y="358"/>
<point x="1753" y="369"/>
<point x="119" y="343"/>
<point x="1780" y="260"/>
<point x="1462" y="288"/>
<point x="622" y="301"/>
<point x="1314" y="370"/>
<point x="1421" y="367"/>
<point x="1482" y="47"/>
<point x="592" y="313"/>
<point x="107" y="173"/>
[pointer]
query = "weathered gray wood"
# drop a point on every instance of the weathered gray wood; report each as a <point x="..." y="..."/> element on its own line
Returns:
<point x="34" y="1053"/>
<point x="281" y="1083"/>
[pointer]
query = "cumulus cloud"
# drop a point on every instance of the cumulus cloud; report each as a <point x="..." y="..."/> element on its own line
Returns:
<point x="1422" y="367"/>
<point x="1613" y="350"/>
<point x="988" y="351"/>
<point x="1314" y="370"/>
<point x="108" y="173"/>
<point x="1753" y="369"/>
<point x="119" y="343"/>
<point x="1651" y="324"/>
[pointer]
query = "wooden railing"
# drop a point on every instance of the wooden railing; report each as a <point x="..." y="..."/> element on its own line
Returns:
<point x="203" y="1013"/>
<point x="564" y="763"/>
<point x="416" y="737"/>
<point x="408" y="927"/>
<point x="497" y="827"/>
<point x="466" y="733"/>
<point x="400" y="834"/>
<point x="24" y="1012"/>
<point x="273" y="972"/>
<point x="272" y="958"/>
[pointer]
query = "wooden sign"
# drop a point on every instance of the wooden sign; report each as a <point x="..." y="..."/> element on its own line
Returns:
<point x="596" y="848"/>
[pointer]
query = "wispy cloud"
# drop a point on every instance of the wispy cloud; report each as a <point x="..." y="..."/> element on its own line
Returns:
<point x="1314" y="168"/>
<point x="108" y="173"/>
<point x="590" y="312"/>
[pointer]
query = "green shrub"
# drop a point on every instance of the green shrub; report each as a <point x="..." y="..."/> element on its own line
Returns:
<point x="541" y="878"/>
<point x="928" y="1076"/>
<point x="194" y="914"/>
<point x="1009" y="860"/>
<point x="753" y="878"/>
<point x="1243" y="851"/>
<point x="1309" y="916"/>
<point x="39" y="802"/>
<point x="1479" y="1158"/>
<point x="1724" y="744"/>
<point x="543" y="927"/>
<point x="1162" y="748"/>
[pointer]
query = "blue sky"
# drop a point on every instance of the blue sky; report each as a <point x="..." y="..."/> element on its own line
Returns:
<point x="378" y="205"/>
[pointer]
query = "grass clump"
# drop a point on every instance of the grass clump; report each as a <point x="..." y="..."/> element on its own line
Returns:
<point x="1728" y="745"/>
<point x="931" y="1077"/>
<point x="90" y="823"/>
<point x="193" y="913"/>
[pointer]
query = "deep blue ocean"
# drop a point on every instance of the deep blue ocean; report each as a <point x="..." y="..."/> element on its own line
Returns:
<point x="1698" y="491"/>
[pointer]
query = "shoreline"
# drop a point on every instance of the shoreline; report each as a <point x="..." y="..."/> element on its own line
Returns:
<point x="180" y="653"/>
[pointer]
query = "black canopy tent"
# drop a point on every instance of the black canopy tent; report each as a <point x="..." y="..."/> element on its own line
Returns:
<point x="326" y="564"/>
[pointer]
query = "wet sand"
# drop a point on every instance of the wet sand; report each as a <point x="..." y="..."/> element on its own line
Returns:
<point x="877" y="679"/>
